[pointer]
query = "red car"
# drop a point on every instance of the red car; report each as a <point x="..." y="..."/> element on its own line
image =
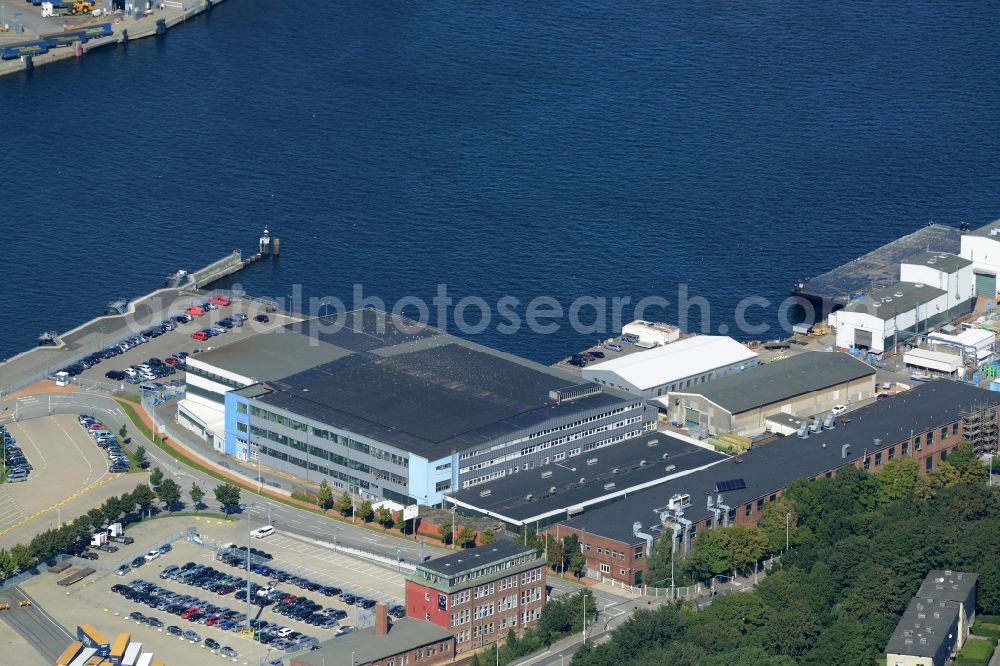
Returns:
<point x="195" y="311"/>
<point x="171" y="360"/>
<point x="211" y="620"/>
<point x="200" y="335"/>
<point x="189" y="612"/>
<point x="220" y="300"/>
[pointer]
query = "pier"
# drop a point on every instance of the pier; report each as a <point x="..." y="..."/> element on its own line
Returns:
<point x="877" y="269"/>
<point x="25" y="25"/>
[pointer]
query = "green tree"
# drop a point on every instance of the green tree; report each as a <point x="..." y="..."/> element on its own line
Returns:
<point x="365" y="511"/>
<point x="140" y="456"/>
<point x="475" y="661"/>
<point x="156" y="477"/>
<point x="383" y="516"/>
<point x="466" y="537"/>
<point x="576" y="561"/>
<point x="731" y="622"/>
<point x="791" y="629"/>
<point x="96" y="517"/>
<point x="143" y="496"/>
<point x="196" y="494"/>
<point x="658" y="571"/>
<point x="745" y="545"/>
<point x="488" y="536"/>
<point x="399" y="523"/>
<point x="324" y="498"/>
<point x="169" y="493"/>
<point x="709" y="556"/>
<point x="123" y="431"/>
<point x="897" y="479"/>
<point x="228" y="495"/>
<point x="345" y="504"/>
<point x="970" y="468"/>
<point x="446" y="532"/>
<point x="773" y="521"/>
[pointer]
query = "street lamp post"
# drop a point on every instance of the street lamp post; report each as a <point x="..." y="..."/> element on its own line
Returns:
<point x="788" y="515"/>
<point x="247" y="508"/>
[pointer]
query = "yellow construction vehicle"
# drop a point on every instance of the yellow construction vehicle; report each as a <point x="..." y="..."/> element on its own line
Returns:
<point x="82" y="7"/>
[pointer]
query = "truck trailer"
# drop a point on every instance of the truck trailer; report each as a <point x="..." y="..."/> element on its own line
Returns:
<point x="92" y="638"/>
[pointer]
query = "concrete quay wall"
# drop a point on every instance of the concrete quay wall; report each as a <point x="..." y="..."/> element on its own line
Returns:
<point x="125" y="29"/>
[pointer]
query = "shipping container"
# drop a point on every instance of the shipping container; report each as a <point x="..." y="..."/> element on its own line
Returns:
<point x="95" y="31"/>
<point x="15" y="51"/>
<point x="64" y="39"/>
<point x="70" y="654"/>
<point x="145" y="659"/>
<point x="118" y="649"/>
<point x="92" y="638"/>
<point x="132" y="654"/>
<point x="83" y="657"/>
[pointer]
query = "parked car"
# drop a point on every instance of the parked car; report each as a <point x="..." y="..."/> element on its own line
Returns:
<point x="839" y="409"/>
<point x="262" y="318"/>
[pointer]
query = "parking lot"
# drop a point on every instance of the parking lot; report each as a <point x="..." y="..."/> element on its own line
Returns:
<point x="94" y="601"/>
<point x="67" y="466"/>
<point x="179" y="340"/>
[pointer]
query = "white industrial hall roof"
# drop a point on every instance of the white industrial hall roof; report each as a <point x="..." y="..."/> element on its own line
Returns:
<point x="678" y="360"/>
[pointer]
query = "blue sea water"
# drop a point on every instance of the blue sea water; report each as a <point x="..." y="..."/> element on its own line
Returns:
<point x="519" y="148"/>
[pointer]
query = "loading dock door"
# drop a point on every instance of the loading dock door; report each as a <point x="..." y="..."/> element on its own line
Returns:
<point x="986" y="285"/>
<point x="862" y="338"/>
<point x="693" y="418"/>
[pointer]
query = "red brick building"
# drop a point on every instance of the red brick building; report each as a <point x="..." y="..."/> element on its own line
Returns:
<point x="480" y="594"/>
<point x="926" y="423"/>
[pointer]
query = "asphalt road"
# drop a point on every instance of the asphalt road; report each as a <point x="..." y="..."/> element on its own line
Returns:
<point x="283" y="517"/>
<point x="35" y="625"/>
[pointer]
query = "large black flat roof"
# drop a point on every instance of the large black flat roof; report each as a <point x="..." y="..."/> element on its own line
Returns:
<point x="409" y="385"/>
<point x="613" y="470"/>
<point x="774" y="466"/>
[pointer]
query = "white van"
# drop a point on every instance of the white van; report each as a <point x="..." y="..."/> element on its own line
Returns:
<point x="263" y="532"/>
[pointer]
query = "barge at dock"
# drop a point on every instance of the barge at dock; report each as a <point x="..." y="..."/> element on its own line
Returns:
<point x="879" y="268"/>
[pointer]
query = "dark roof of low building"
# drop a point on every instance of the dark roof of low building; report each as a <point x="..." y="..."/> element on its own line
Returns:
<point x="947" y="584"/>
<point x="364" y="646"/>
<point x="473" y="558"/>
<point x="432" y="401"/>
<point x="772" y="467"/>
<point x="630" y="465"/>
<point x="896" y="298"/>
<point x="782" y="380"/>
<point x="930" y="614"/>
<point x="404" y="383"/>
<point x="923" y="628"/>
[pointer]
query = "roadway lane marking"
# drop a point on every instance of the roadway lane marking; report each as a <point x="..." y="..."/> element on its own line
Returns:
<point x="77" y="447"/>
<point x="31" y="441"/>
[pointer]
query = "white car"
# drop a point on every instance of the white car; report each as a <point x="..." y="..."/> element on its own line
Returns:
<point x="151" y="555"/>
<point x="839" y="409"/>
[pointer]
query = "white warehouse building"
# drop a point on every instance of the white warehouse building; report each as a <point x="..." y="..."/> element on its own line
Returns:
<point x="982" y="248"/>
<point x="652" y="334"/>
<point x="887" y="316"/>
<point x="673" y="367"/>
<point x="935" y="287"/>
<point x="949" y="272"/>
